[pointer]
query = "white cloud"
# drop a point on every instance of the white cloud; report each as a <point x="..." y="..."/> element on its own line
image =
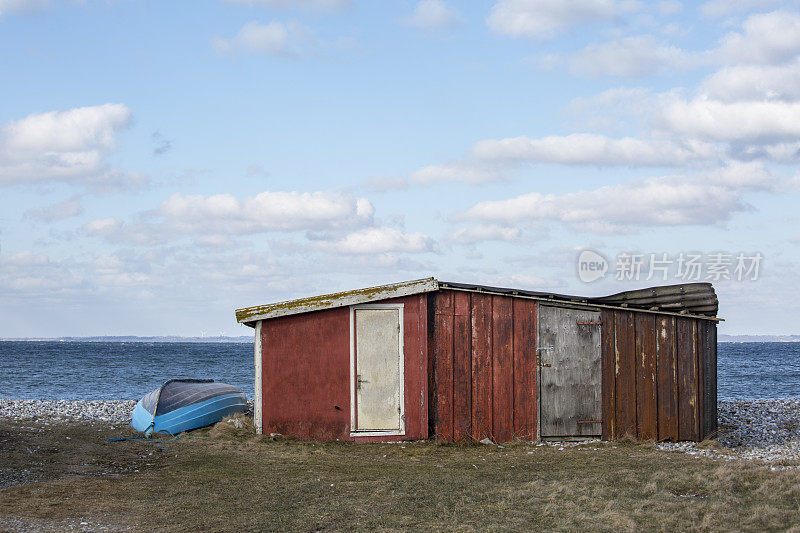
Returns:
<point x="665" y="201"/>
<point x="465" y="172"/>
<point x="386" y="183"/>
<point x="434" y="15"/>
<point x="754" y="82"/>
<point x="69" y="146"/>
<point x="543" y="19"/>
<point x="57" y="211"/>
<point x="332" y="5"/>
<point x="767" y="38"/>
<point x="722" y="8"/>
<point x="486" y="232"/>
<point x="711" y="119"/>
<point x="593" y="149"/>
<point x="273" y="38"/>
<point x="630" y="57"/>
<point x="266" y="211"/>
<point x="670" y="7"/>
<point x="224" y="215"/>
<point x="379" y="240"/>
<point x="741" y="175"/>
<point x="22" y="6"/>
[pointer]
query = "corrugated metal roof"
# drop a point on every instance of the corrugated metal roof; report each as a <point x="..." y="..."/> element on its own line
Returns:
<point x="689" y="299"/>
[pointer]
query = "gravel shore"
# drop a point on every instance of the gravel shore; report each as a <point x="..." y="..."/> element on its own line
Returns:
<point x="765" y="430"/>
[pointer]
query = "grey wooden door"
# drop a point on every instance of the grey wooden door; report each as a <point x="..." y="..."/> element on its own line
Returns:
<point x="569" y="372"/>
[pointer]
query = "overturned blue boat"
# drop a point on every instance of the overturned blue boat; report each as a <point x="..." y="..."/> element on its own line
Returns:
<point x="184" y="404"/>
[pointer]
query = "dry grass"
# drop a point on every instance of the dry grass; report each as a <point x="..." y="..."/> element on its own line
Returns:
<point x="226" y="478"/>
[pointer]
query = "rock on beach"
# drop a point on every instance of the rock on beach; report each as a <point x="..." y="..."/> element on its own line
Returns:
<point x="765" y="430"/>
<point x="114" y="411"/>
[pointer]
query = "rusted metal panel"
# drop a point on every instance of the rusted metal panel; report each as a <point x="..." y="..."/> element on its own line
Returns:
<point x="569" y="373"/>
<point x="646" y="421"/>
<point x="462" y="367"/>
<point x="688" y="416"/>
<point x="502" y="369"/>
<point x="481" y="366"/>
<point x="250" y="315"/>
<point x="608" y="372"/>
<point x="625" y="377"/>
<point x="444" y="366"/>
<point x="667" y="373"/>
<point x="709" y="365"/>
<point x="379" y="369"/>
<point x="525" y="371"/>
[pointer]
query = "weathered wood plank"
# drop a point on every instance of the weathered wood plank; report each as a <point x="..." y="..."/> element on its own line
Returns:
<point x="444" y="370"/>
<point x="625" y="379"/>
<point x="525" y="390"/>
<point x="462" y="367"/>
<point x="688" y="419"/>
<point x="608" y="372"/>
<point x="570" y="372"/>
<point x="481" y="345"/>
<point x="709" y="358"/>
<point x="502" y="369"/>
<point x="667" y="376"/>
<point x="646" y="421"/>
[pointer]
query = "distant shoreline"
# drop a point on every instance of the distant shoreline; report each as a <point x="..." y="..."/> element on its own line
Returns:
<point x="244" y="339"/>
<point x="248" y="339"/>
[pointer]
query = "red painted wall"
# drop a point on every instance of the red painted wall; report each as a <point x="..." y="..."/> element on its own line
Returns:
<point x="484" y="379"/>
<point x="306" y="373"/>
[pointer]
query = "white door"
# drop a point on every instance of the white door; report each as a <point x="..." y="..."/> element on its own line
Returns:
<point x="378" y="369"/>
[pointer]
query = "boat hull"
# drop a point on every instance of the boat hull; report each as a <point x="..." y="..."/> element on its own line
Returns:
<point x="195" y="415"/>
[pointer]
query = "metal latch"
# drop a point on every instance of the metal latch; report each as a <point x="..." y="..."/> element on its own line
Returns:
<point x="589" y="323"/>
<point x="590" y="421"/>
<point x="359" y="381"/>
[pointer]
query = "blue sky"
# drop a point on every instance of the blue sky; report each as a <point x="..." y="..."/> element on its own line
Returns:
<point x="163" y="163"/>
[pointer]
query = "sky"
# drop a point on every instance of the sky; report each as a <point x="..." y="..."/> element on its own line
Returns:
<point x="164" y="163"/>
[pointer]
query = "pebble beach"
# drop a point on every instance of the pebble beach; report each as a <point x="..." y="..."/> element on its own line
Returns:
<point x="763" y="430"/>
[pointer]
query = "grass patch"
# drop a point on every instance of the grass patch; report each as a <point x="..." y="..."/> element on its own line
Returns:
<point x="225" y="478"/>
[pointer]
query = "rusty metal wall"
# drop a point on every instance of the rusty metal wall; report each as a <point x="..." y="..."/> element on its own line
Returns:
<point x="306" y="373"/>
<point x="483" y="374"/>
<point x="659" y="376"/>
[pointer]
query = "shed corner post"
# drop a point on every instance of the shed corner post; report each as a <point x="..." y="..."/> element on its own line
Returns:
<point x="257" y="415"/>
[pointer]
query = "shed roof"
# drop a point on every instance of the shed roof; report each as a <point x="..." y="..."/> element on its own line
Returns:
<point x="690" y="299"/>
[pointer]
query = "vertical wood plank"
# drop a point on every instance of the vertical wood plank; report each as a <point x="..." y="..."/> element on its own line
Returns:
<point x="688" y="428"/>
<point x="645" y="376"/>
<point x="444" y="367"/>
<point x="625" y="379"/>
<point x="709" y="358"/>
<point x="502" y="369"/>
<point x="481" y="366"/>
<point x="608" y="372"/>
<point x="525" y="397"/>
<point x="462" y="367"/>
<point x="667" y="374"/>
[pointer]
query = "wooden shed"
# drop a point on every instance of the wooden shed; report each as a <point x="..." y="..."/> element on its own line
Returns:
<point x="429" y="359"/>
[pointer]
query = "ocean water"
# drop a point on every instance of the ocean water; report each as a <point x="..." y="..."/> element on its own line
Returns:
<point x="114" y="370"/>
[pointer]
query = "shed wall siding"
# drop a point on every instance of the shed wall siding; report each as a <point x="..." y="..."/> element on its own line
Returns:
<point x="484" y="375"/>
<point x="659" y="376"/>
<point x="305" y="373"/>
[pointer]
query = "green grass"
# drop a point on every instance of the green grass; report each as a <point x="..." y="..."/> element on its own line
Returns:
<point x="226" y="479"/>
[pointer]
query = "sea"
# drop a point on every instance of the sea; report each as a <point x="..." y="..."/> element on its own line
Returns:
<point x="47" y="370"/>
